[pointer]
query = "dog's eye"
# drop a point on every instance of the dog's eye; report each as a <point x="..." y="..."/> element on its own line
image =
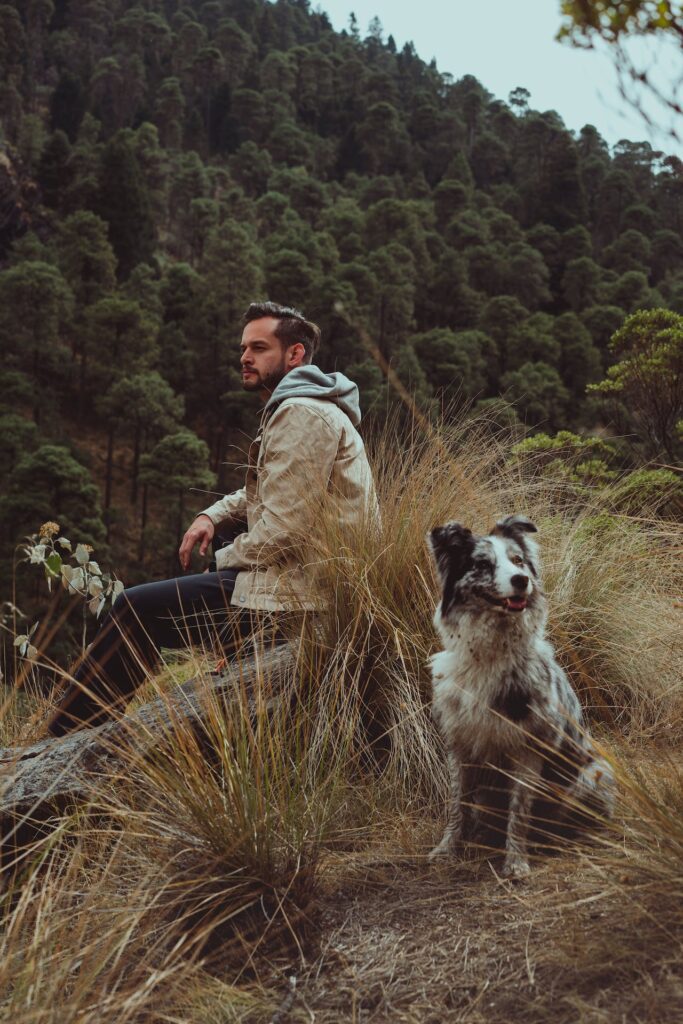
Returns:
<point x="516" y="560"/>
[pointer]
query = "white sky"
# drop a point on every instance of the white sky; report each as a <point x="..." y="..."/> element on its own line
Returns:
<point x="509" y="43"/>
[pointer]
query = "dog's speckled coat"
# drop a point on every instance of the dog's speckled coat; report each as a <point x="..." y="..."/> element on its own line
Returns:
<point x="499" y="696"/>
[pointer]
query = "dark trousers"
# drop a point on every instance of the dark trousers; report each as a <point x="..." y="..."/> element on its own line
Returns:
<point x="170" y="613"/>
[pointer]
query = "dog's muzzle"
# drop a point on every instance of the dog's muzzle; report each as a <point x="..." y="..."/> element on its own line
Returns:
<point x="514" y="603"/>
<point x="517" y="602"/>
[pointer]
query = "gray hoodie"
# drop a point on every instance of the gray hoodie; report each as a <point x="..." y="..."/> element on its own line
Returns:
<point x="310" y="382"/>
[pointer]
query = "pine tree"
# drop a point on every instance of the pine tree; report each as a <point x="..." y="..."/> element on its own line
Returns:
<point x="123" y="202"/>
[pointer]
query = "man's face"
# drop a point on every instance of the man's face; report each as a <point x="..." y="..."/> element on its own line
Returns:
<point x="263" y="356"/>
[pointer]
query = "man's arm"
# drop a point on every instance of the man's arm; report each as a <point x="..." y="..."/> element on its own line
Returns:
<point x="297" y="463"/>
<point x="202" y="529"/>
<point x="232" y="506"/>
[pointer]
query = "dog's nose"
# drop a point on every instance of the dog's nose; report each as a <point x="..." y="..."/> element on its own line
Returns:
<point x="519" y="581"/>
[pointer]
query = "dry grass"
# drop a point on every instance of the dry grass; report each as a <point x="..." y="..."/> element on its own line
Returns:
<point x="615" y="619"/>
<point x="289" y="837"/>
<point x="80" y="940"/>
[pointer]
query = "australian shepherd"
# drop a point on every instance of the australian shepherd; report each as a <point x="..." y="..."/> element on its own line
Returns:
<point x="500" y="700"/>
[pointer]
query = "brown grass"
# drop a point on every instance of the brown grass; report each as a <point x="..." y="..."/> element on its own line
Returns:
<point x="290" y="838"/>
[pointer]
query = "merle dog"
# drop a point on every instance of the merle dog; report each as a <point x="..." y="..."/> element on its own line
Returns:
<point x="500" y="699"/>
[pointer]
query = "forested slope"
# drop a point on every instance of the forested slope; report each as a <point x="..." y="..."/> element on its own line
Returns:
<point x="164" y="162"/>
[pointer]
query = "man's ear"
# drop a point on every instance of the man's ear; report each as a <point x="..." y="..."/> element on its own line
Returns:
<point x="296" y="354"/>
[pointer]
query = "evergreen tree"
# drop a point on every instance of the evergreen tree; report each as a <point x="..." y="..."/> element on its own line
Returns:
<point x="580" y="283"/>
<point x="123" y="202"/>
<point x="538" y="393"/>
<point x="151" y="409"/>
<point x="176" y="463"/>
<point x="19" y="436"/>
<point x="67" y="105"/>
<point x="49" y="484"/>
<point x="35" y="305"/>
<point x="54" y="173"/>
<point x="456" y="364"/>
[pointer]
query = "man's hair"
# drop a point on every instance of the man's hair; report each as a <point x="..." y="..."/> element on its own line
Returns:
<point x="292" y="328"/>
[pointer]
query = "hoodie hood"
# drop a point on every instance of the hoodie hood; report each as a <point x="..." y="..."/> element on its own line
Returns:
<point x="310" y="382"/>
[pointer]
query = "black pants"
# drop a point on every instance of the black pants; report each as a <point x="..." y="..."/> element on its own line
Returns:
<point x="170" y="613"/>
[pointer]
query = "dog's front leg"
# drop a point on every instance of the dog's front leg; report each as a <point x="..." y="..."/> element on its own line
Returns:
<point x="453" y="833"/>
<point x="525" y="784"/>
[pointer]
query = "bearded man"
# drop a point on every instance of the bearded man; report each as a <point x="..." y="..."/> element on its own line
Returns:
<point x="307" y="452"/>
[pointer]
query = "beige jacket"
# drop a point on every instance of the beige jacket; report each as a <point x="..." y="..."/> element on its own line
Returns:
<point x="306" y="451"/>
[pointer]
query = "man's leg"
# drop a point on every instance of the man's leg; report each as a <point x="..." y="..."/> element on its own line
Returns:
<point x="170" y="613"/>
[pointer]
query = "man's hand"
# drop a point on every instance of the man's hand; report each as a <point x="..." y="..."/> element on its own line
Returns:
<point x="201" y="532"/>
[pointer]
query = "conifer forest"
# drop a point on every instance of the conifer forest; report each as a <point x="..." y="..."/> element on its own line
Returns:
<point x="163" y="162"/>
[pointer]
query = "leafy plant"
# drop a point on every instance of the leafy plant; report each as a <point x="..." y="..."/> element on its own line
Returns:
<point x="75" y="569"/>
<point x="578" y="460"/>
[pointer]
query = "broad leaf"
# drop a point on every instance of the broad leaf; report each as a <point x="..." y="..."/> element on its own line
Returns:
<point x="53" y="564"/>
<point x="82" y="554"/>
<point x="37" y="554"/>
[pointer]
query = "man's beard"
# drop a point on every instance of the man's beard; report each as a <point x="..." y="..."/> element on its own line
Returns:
<point x="266" y="383"/>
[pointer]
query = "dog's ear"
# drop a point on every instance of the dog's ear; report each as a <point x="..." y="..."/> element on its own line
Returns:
<point x="451" y="546"/>
<point x="512" y="526"/>
<point x="518" y="528"/>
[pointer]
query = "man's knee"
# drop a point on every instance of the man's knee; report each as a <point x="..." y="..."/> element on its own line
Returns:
<point x="148" y="605"/>
<point x="130" y="601"/>
<point x="134" y="619"/>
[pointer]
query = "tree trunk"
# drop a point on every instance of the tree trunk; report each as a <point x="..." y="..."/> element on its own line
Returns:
<point x="109" y="468"/>
<point x="37" y="392"/>
<point x="82" y="383"/>
<point x="143" y="523"/>
<point x="37" y="783"/>
<point x="109" y="471"/>
<point x="181" y="518"/>
<point x="380" y="342"/>
<point x="136" y="464"/>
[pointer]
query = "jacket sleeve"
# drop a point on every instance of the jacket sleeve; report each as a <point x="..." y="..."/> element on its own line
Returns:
<point x="300" y="450"/>
<point x="232" y="506"/>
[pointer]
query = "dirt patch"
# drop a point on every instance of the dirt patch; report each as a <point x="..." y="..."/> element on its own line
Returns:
<point x="409" y="944"/>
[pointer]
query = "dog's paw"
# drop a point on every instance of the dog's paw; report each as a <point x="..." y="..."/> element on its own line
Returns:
<point x="516" y="868"/>
<point x="448" y="847"/>
<point x="439" y="852"/>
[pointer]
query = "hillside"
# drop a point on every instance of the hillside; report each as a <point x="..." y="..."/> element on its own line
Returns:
<point x="163" y="163"/>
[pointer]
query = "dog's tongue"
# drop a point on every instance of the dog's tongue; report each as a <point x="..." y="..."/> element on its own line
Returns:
<point x="515" y="604"/>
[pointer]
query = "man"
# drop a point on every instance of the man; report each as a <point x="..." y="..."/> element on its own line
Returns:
<point x="307" y="452"/>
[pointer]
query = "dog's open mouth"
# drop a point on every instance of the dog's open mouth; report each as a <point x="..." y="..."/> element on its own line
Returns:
<point x="509" y="604"/>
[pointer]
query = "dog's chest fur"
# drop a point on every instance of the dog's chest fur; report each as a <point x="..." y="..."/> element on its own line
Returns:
<point x="488" y="685"/>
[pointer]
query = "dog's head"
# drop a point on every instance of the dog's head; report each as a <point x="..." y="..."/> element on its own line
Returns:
<point x="497" y="572"/>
